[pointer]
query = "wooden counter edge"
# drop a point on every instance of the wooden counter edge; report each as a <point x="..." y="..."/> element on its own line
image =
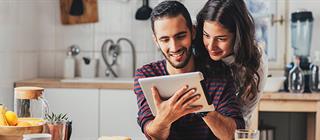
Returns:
<point x="56" y="83"/>
<point x="290" y="96"/>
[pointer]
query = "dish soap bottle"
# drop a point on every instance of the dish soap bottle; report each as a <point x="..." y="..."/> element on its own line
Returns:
<point x="69" y="66"/>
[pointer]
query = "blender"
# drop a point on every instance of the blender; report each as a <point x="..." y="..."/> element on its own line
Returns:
<point x="301" y="33"/>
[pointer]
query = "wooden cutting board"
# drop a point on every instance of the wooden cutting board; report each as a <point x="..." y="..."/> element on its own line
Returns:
<point x="90" y="14"/>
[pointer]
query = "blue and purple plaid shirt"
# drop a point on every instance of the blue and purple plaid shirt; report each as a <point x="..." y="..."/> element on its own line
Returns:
<point x="191" y="126"/>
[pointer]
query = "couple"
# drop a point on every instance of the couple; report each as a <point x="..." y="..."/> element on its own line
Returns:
<point x="222" y="47"/>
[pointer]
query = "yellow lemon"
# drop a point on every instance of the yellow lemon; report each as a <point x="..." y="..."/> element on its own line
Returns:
<point x="11" y="118"/>
<point x="24" y="124"/>
<point x="32" y="121"/>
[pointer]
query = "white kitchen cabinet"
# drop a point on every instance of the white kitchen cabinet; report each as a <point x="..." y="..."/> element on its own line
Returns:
<point x="118" y="114"/>
<point x="82" y="106"/>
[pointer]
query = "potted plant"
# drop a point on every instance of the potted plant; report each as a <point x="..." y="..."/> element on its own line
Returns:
<point x="58" y="125"/>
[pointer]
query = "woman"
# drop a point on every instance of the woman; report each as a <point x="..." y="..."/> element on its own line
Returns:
<point x="226" y="44"/>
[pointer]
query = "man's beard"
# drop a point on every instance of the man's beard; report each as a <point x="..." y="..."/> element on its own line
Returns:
<point x="182" y="64"/>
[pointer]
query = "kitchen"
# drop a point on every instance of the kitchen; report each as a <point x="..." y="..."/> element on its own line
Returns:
<point x="34" y="44"/>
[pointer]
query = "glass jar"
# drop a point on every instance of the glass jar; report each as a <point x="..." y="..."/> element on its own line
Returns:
<point x="29" y="102"/>
<point x="296" y="81"/>
<point x="314" y="80"/>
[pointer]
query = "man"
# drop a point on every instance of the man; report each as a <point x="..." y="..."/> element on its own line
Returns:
<point x="173" y="33"/>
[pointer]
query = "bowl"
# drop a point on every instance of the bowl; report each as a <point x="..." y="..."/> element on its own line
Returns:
<point x="274" y="84"/>
<point x="16" y="132"/>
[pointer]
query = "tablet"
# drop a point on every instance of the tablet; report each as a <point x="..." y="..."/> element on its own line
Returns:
<point x="169" y="84"/>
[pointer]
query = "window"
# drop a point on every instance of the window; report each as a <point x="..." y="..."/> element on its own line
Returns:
<point x="270" y="29"/>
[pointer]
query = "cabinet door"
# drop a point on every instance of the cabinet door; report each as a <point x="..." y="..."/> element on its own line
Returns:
<point x="269" y="16"/>
<point x="82" y="108"/>
<point x="119" y="114"/>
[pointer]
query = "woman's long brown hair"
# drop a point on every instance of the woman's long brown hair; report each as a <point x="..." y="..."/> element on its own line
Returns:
<point x="234" y="16"/>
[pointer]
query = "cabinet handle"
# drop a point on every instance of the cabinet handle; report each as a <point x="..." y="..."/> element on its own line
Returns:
<point x="274" y="20"/>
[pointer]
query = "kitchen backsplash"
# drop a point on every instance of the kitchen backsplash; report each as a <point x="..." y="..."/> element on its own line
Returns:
<point x="116" y="19"/>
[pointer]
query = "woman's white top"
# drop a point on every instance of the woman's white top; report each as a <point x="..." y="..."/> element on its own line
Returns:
<point x="248" y="108"/>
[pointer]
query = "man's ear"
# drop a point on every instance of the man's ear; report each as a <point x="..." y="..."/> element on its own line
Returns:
<point x="194" y="32"/>
<point x="155" y="40"/>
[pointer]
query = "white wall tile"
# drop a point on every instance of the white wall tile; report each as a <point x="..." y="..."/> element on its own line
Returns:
<point x="6" y="95"/>
<point x="47" y="11"/>
<point x="142" y="36"/>
<point x="194" y="6"/>
<point x="47" y="64"/>
<point x="29" y="65"/>
<point x="10" y="67"/>
<point x="8" y="24"/>
<point x="100" y="38"/>
<point x="101" y="64"/>
<point x="144" y="58"/>
<point x="80" y="34"/>
<point x="125" y="62"/>
<point x="59" y="62"/>
<point x="114" y="17"/>
<point x="28" y="23"/>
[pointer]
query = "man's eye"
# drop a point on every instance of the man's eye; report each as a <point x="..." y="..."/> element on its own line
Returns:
<point x="164" y="40"/>
<point x="181" y="36"/>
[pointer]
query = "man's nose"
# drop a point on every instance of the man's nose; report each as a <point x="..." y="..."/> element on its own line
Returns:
<point x="174" y="45"/>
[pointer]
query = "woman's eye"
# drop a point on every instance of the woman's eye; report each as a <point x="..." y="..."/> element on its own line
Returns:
<point x="206" y="35"/>
<point x="221" y="39"/>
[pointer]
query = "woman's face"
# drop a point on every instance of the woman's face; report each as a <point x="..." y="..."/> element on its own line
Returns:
<point x="217" y="40"/>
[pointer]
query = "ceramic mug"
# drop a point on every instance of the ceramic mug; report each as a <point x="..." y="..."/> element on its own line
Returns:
<point x="40" y="136"/>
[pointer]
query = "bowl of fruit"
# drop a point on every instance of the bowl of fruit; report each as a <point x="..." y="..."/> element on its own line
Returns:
<point x="12" y="127"/>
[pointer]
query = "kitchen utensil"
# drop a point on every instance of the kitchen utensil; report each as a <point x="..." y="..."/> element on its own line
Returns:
<point x="77" y="8"/>
<point x="90" y="11"/>
<point x="144" y="12"/>
<point x="113" y="49"/>
<point x="86" y="60"/>
<point x="74" y="49"/>
<point x="88" y="68"/>
<point x="301" y="34"/>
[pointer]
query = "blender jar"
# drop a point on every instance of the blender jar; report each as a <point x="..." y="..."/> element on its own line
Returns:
<point x="301" y="33"/>
<point x="29" y="102"/>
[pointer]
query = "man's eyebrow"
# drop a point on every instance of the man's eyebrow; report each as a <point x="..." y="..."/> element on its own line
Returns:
<point x="163" y="37"/>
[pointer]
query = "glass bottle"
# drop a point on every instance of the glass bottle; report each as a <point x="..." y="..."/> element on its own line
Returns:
<point x="314" y="80"/>
<point x="296" y="78"/>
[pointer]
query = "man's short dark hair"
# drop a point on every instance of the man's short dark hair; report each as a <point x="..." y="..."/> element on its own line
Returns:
<point x="170" y="9"/>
